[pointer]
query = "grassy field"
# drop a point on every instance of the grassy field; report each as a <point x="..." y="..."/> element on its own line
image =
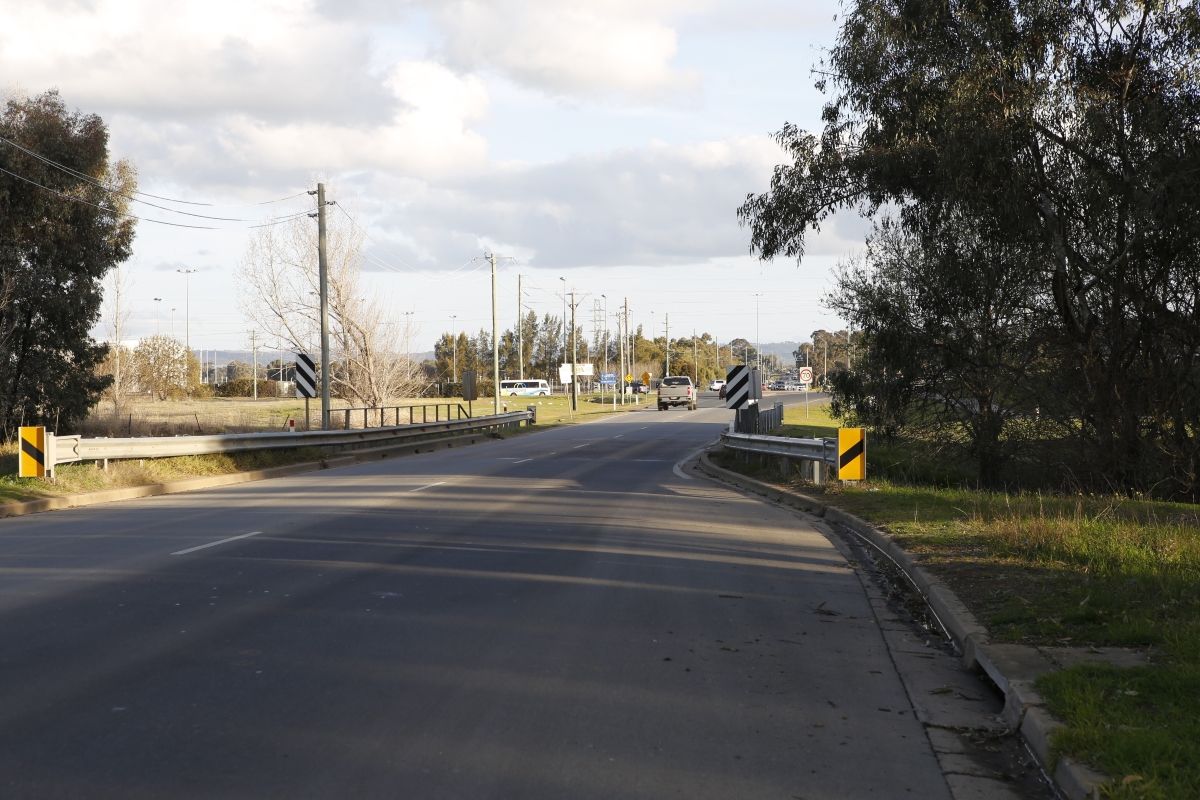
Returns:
<point x="1046" y="569"/>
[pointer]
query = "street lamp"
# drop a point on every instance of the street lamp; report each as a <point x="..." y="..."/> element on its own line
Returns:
<point x="157" y="311"/>
<point x="564" y="327"/>
<point x="454" y="346"/>
<point x="187" y="308"/>
<point x="757" y="332"/>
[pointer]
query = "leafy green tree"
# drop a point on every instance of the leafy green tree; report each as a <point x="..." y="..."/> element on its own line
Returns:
<point x="1072" y="128"/>
<point x="61" y="230"/>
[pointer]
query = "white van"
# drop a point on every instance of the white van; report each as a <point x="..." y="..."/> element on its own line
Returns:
<point x="525" y="388"/>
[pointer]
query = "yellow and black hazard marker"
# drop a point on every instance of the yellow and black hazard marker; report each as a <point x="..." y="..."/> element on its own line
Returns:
<point x="852" y="454"/>
<point x="31" y="460"/>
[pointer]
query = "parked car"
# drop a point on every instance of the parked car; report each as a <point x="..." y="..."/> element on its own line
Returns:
<point x="637" y="387"/>
<point x="716" y="385"/>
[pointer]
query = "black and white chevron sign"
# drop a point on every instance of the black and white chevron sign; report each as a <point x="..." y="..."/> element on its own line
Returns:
<point x="306" y="376"/>
<point x="741" y="386"/>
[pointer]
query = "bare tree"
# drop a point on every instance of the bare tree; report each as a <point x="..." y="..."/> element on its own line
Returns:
<point x="281" y="296"/>
<point x="160" y="366"/>
<point x="117" y="362"/>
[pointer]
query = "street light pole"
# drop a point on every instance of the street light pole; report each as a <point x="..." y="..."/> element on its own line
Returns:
<point x="454" y="348"/>
<point x="187" y="314"/>
<point x="157" y="313"/>
<point x="564" y="291"/>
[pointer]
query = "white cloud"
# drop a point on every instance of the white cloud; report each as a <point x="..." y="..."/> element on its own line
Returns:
<point x="590" y="48"/>
<point x="185" y="60"/>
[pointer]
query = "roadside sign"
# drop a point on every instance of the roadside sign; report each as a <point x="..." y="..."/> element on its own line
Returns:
<point x="646" y="378"/>
<point x="306" y="376"/>
<point x="608" y="379"/>
<point x="806" y="375"/>
<point x="31" y="460"/>
<point x="470" y="386"/>
<point x="852" y="454"/>
<point x="742" y="385"/>
<point x="629" y="379"/>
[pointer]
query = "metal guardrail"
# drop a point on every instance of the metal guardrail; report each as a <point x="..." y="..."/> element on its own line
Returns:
<point x="68" y="449"/>
<point x="417" y="414"/>
<point x="823" y="450"/>
<point x="755" y="418"/>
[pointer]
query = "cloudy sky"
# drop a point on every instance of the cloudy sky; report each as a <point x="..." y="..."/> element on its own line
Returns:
<point x="604" y="142"/>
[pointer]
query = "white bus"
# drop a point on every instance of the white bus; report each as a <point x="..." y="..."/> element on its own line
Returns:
<point x="525" y="388"/>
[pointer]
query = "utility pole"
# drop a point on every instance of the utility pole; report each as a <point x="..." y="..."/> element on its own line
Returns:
<point x="520" y="332"/>
<point x="323" y="275"/>
<point x="695" y="360"/>
<point x="574" y="358"/>
<point x="254" y="359"/>
<point x="495" y="343"/>
<point x="627" y="364"/>
<point x="667" y="334"/>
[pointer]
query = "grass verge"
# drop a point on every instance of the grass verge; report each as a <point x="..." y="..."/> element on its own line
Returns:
<point x="1057" y="570"/>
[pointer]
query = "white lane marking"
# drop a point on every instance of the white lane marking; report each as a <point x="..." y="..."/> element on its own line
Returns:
<point x="618" y="436"/>
<point x="523" y="460"/>
<point x="576" y="447"/>
<point x="643" y="427"/>
<point x="214" y="544"/>
<point x="428" y="486"/>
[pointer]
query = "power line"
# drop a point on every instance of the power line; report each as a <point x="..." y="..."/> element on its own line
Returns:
<point x="127" y="215"/>
<point x="94" y="181"/>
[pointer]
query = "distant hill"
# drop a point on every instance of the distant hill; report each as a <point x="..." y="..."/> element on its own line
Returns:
<point x="782" y="350"/>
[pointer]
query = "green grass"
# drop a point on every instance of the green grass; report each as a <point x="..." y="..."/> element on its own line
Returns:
<point x="1053" y="569"/>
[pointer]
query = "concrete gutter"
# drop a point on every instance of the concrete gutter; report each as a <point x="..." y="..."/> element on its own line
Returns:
<point x="233" y="478"/>
<point x="1013" y="668"/>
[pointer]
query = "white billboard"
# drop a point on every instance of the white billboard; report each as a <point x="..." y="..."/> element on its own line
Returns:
<point x="581" y="371"/>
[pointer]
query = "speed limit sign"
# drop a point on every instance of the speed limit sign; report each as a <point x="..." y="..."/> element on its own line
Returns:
<point x="806" y="374"/>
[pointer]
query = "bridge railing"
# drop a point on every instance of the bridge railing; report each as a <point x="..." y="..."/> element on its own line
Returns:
<point x="68" y="449"/>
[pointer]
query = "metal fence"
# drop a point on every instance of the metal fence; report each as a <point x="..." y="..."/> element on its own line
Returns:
<point x="68" y="449"/>
<point x="754" y="419"/>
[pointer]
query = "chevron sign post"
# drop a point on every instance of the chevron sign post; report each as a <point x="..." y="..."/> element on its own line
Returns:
<point x="306" y="376"/>
<point x="306" y="381"/>
<point x="741" y="386"/>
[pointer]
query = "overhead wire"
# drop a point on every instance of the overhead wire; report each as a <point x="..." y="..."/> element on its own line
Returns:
<point x="138" y="218"/>
<point x="95" y="182"/>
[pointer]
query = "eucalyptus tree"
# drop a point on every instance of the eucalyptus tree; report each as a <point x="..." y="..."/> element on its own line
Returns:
<point x="63" y="226"/>
<point x="1072" y="127"/>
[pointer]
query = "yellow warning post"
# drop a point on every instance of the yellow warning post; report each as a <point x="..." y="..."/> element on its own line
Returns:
<point x="852" y="454"/>
<point x="31" y="459"/>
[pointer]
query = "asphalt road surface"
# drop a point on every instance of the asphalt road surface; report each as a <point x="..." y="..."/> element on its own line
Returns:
<point x="563" y="614"/>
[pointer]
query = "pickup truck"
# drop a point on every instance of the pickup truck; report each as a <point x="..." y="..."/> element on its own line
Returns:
<point x="676" y="390"/>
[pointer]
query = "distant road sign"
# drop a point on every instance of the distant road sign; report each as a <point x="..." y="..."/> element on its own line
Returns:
<point x="806" y="375"/>
<point x="629" y="379"/>
<point x="608" y="379"/>
<point x="646" y="378"/>
<point x="306" y="376"/>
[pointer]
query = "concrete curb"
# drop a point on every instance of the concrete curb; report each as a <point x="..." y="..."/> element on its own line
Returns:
<point x="1024" y="710"/>
<point x="231" y="479"/>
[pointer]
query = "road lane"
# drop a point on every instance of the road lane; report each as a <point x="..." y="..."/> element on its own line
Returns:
<point x="556" y="614"/>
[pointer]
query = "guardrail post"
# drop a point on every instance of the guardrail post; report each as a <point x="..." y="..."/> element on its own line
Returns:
<point x="347" y="426"/>
<point x="532" y="415"/>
